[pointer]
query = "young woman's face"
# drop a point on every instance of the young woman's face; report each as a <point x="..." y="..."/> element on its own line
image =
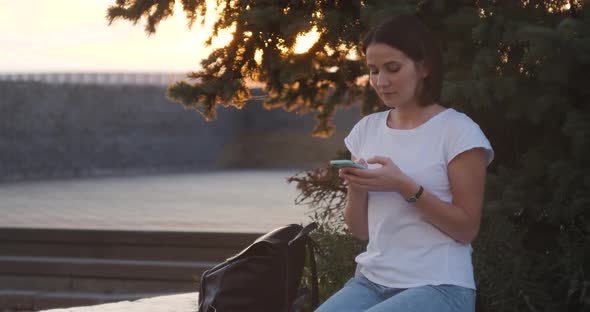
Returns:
<point x="394" y="76"/>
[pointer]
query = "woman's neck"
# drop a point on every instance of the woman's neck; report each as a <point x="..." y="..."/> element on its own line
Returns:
<point x="413" y="116"/>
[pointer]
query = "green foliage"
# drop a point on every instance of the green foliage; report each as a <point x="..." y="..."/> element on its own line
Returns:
<point x="518" y="68"/>
<point x="535" y="268"/>
<point x="324" y="192"/>
<point x="538" y="211"/>
<point x="335" y="261"/>
<point x="317" y="81"/>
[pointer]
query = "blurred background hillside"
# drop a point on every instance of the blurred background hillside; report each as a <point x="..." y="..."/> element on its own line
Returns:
<point x="79" y="129"/>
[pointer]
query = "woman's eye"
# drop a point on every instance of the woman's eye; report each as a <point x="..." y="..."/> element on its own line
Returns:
<point x="392" y="69"/>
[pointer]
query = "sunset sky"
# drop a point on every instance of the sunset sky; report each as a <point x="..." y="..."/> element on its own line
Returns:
<point x="73" y="35"/>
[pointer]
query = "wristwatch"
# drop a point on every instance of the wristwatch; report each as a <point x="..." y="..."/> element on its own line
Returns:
<point x="415" y="197"/>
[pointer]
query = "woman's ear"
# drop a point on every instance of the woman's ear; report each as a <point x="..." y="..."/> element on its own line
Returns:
<point x="423" y="70"/>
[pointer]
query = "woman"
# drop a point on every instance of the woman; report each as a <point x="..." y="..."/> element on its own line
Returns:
<point x="419" y="202"/>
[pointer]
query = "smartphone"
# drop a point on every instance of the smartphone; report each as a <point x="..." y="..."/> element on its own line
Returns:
<point x="339" y="163"/>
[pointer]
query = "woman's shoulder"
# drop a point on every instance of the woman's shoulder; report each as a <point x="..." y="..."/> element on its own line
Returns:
<point x="457" y="119"/>
<point x="464" y="133"/>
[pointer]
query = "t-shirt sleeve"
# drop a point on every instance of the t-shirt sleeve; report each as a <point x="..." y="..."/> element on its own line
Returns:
<point x="467" y="135"/>
<point x="353" y="140"/>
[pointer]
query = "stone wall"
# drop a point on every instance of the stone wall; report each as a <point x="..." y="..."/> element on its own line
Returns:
<point x="52" y="130"/>
<point x="97" y="78"/>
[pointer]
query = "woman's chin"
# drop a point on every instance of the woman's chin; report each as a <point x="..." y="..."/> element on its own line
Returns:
<point x="389" y="103"/>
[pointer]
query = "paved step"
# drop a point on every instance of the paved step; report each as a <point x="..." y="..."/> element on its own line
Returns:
<point x="178" y="302"/>
<point x="117" y="251"/>
<point x="54" y="283"/>
<point x="156" y="245"/>
<point x="103" y="268"/>
<point x="18" y="300"/>
<point x="55" y="268"/>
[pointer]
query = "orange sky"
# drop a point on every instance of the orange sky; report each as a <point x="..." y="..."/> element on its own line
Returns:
<point x="73" y="35"/>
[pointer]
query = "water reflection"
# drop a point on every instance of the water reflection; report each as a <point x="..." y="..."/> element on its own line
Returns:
<point x="236" y="201"/>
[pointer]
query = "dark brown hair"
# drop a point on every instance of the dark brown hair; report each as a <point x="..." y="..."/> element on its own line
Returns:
<point x="409" y="35"/>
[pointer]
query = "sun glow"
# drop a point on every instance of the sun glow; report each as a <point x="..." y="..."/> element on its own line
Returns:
<point x="73" y="35"/>
<point x="304" y="42"/>
<point x="224" y="37"/>
<point x="258" y="56"/>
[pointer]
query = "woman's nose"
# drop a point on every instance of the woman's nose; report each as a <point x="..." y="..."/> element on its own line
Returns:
<point x="382" y="80"/>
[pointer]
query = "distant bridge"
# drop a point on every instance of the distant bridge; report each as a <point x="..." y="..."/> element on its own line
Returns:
<point x="97" y="78"/>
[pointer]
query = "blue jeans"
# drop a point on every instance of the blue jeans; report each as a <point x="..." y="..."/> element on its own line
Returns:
<point x="360" y="294"/>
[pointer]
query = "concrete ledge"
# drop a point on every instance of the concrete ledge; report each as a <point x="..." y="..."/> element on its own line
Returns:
<point x="104" y="268"/>
<point x="21" y="300"/>
<point x="172" y="303"/>
<point x="128" y="237"/>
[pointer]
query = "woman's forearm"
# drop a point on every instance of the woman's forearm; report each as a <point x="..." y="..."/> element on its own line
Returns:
<point x="356" y="213"/>
<point x="459" y="219"/>
<point x="449" y="218"/>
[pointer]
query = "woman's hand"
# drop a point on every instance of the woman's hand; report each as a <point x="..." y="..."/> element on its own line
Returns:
<point x="387" y="178"/>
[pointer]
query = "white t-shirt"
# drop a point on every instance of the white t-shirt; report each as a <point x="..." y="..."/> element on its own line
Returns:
<point x="404" y="249"/>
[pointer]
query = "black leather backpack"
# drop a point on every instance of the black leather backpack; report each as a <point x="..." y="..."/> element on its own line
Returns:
<point x="264" y="277"/>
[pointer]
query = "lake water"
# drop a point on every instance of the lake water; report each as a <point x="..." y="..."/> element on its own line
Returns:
<point x="228" y="201"/>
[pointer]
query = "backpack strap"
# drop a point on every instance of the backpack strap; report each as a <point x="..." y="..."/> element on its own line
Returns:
<point x="315" y="300"/>
<point x="304" y="232"/>
<point x="304" y="293"/>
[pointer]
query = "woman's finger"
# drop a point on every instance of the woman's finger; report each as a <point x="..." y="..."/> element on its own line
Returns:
<point x="364" y="173"/>
<point x="361" y="181"/>
<point x="379" y="160"/>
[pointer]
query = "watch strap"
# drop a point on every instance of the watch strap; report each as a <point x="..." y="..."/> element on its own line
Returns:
<point x="415" y="197"/>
